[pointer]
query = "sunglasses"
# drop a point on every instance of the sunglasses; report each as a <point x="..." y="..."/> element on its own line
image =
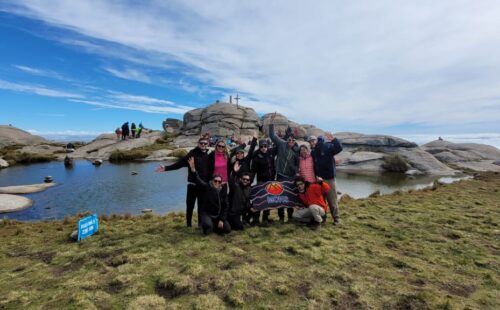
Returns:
<point x="203" y="143"/>
<point x="245" y="179"/>
<point x="221" y="145"/>
<point x="299" y="183"/>
<point x="217" y="181"/>
<point x="263" y="146"/>
<point x="291" y="140"/>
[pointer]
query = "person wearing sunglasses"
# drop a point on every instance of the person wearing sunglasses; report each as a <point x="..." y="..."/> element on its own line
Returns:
<point x="215" y="205"/>
<point x="311" y="195"/>
<point x="240" y="205"/>
<point x="286" y="163"/>
<point x="218" y="161"/>
<point x="263" y="168"/>
<point x="194" y="191"/>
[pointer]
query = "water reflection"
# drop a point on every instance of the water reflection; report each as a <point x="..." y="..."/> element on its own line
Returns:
<point x="111" y="188"/>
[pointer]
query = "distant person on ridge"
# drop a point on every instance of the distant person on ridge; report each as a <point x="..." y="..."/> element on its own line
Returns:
<point x="323" y="154"/>
<point x="118" y="133"/>
<point x="132" y="130"/>
<point x="194" y="191"/>
<point x="286" y="162"/>
<point x="125" y="131"/>
<point x="215" y="205"/>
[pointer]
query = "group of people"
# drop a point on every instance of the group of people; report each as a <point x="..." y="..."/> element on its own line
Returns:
<point x="124" y="132"/>
<point x="221" y="181"/>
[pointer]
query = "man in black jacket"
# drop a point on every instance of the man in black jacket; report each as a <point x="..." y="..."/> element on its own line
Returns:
<point x="194" y="191"/>
<point x="215" y="203"/>
<point x="263" y="168"/>
<point x="240" y="198"/>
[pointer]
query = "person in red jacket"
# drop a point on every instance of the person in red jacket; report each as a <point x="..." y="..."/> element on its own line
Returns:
<point x="311" y="195"/>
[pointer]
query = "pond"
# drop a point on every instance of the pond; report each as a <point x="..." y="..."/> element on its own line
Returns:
<point x="112" y="189"/>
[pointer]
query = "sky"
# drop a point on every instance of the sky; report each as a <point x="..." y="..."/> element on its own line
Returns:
<point x="417" y="69"/>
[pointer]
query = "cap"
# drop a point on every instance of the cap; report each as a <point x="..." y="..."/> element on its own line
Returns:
<point x="312" y="138"/>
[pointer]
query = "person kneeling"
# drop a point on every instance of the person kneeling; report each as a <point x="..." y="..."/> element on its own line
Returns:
<point x="240" y="197"/>
<point x="311" y="195"/>
<point x="214" y="203"/>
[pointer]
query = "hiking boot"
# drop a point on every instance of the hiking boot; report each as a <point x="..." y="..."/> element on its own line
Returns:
<point x="314" y="225"/>
<point x="282" y="220"/>
<point x="336" y="222"/>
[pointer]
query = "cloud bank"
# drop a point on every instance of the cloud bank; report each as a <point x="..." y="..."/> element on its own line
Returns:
<point x="384" y="63"/>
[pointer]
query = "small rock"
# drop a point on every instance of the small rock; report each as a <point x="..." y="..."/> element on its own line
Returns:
<point x="97" y="162"/>
<point x="74" y="235"/>
<point x="133" y="173"/>
<point x="146" y="210"/>
<point x="48" y="179"/>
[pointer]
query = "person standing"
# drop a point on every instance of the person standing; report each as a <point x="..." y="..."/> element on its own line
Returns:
<point x="323" y="154"/>
<point x="286" y="162"/>
<point x="306" y="165"/>
<point x="263" y="168"/>
<point x="240" y="206"/>
<point x="218" y="162"/>
<point x="215" y="208"/>
<point x="311" y="195"/>
<point x="132" y="130"/>
<point x="194" y="191"/>
<point x="125" y="131"/>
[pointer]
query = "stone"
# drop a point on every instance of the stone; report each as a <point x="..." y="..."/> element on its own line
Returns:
<point x="11" y="203"/>
<point x="10" y="135"/>
<point x="74" y="235"/>
<point x="3" y="163"/>
<point x="172" y="124"/>
<point x="159" y="155"/>
<point x="26" y="189"/>
<point x="357" y="139"/>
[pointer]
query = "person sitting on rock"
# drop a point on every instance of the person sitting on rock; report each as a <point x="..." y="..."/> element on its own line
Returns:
<point x="311" y="195"/>
<point x="194" y="191"/>
<point x="240" y="207"/>
<point x="215" y="204"/>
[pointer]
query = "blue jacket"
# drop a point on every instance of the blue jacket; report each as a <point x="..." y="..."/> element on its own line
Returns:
<point x="324" y="158"/>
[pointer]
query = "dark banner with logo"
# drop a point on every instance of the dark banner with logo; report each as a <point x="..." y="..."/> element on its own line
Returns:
<point x="274" y="194"/>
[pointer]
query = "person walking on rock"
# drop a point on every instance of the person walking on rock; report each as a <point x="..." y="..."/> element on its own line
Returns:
<point x="323" y="154"/>
<point x="125" y="131"/>
<point x="132" y="130"/>
<point x="215" y="203"/>
<point x="311" y="195"/>
<point x="194" y="190"/>
<point x="286" y="162"/>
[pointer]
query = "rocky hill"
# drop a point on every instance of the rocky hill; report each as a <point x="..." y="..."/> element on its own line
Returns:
<point x="10" y="135"/>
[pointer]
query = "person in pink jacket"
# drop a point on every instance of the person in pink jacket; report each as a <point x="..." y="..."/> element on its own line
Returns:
<point x="306" y="165"/>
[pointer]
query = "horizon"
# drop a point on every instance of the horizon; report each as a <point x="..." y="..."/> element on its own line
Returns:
<point x="78" y="69"/>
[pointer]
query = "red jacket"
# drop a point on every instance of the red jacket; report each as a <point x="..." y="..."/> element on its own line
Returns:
<point x="313" y="195"/>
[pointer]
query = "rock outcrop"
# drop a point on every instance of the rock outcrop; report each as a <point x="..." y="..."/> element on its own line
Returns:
<point x="11" y="203"/>
<point x="365" y="153"/>
<point x="172" y="125"/>
<point x="281" y="123"/>
<point x="10" y="135"/>
<point x="3" y="163"/>
<point x="473" y="156"/>
<point x="105" y="144"/>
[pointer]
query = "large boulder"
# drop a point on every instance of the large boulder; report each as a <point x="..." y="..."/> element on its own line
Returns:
<point x="172" y="125"/>
<point x="10" y="135"/>
<point x="3" y="163"/>
<point x="221" y="119"/>
<point x="365" y="153"/>
<point x="11" y="203"/>
<point x="479" y="157"/>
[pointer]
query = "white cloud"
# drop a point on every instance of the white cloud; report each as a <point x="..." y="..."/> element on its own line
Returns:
<point x="142" y="99"/>
<point x="38" y="90"/>
<point x="41" y="72"/>
<point x="381" y="63"/>
<point x="148" y="108"/>
<point x="130" y="74"/>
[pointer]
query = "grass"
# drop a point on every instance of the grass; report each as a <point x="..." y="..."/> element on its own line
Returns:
<point x="145" y="151"/>
<point x="431" y="249"/>
<point x="13" y="156"/>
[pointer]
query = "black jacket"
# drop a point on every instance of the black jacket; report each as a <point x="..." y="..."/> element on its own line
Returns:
<point x="245" y="163"/>
<point x="215" y="201"/>
<point x="240" y="196"/>
<point x="324" y="160"/>
<point x="200" y="163"/>
<point x="263" y="165"/>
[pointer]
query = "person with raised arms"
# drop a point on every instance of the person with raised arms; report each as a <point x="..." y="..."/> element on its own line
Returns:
<point x="215" y="203"/>
<point x="263" y="169"/>
<point x="286" y="162"/>
<point x="194" y="191"/>
<point x="240" y="205"/>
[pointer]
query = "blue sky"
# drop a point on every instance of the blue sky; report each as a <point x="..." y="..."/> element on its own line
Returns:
<point x="411" y="68"/>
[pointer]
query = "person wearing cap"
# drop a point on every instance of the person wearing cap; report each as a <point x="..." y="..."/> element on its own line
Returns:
<point x="238" y="155"/>
<point x="323" y="153"/>
<point x="286" y="162"/>
<point x="194" y="191"/>
<point x="263" y="169"/>
<point x="311" y="195"/>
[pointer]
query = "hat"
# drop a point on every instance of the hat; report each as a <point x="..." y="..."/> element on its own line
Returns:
<point x="263" y="142"/>
<point x="239" y="149"/>
<point x="312" y="138"/>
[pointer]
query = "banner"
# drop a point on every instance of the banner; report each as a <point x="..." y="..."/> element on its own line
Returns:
<point x="274" y="194"/>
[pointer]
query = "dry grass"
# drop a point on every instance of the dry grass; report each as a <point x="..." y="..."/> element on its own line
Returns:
<point x="432" y="249"/>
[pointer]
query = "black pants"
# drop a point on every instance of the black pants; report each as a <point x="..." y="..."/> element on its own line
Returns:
<point x="235" y="222"/>
<point x="281" y="211"/>
<point x="194" y="192"/>
<point x="209" y="224"/>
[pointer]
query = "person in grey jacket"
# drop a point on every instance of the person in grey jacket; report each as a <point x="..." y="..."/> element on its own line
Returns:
<point x="286" y="162"/>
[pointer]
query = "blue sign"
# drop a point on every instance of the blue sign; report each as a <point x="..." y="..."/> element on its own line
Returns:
<point x="87" y="226"/>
